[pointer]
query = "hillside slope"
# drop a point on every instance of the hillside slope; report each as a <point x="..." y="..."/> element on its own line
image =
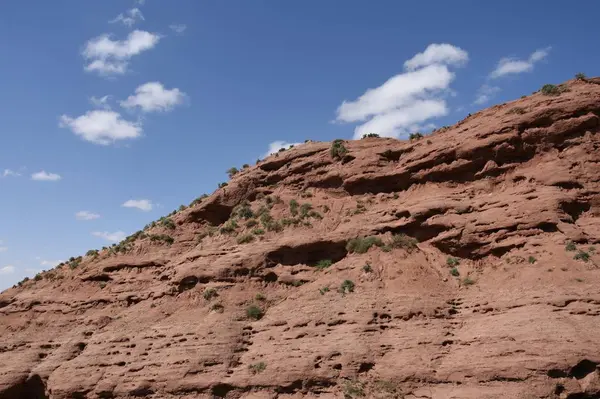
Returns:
<point x="478" y="276"/>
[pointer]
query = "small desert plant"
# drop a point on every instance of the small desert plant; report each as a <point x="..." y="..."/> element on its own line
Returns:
<point x="367" y="268"/>
<point x="210" y="293"/>
<point x="403" y="241"/>
<point x="229" y="227"/>
<point x="415" y="136"/>
<point x="452" y="261"/>
<point x="74" y="263"/>
<point x="162" y="237"/>
<point x="304" y="209"/>
<point x="245" y="166"/>
<point x="294" y="207"/>
<point x="338" y="150"/>
<point x="323" y="264"/>
<point x="92" y="252"/>
<point x="38" y="277"/>
<point x="580" y="76"/>
<point x="181" y="208"/>
<point x="517" y="110"/>
<point x="254" y="312"/>
<point x="168" y="223"/>
<point x="361" y="245"/>
<point x="582" y="255"/>
<point x="550" y="90"/>
<point x="221" y="185"/>
<point x="232" y="172"/>
<point x="257" y="367"/>
<point x="251" y="223"/>
<point x="245" y="239"/>
<point x="570" y="246"/>
<point x="468" y="281"/>
<point x="370" y="135"/>
<point x="353" y="389"/>
<point x="323" y="290"/>
<point x="325" y="208"/>
<point x="258" y="232"/>
<point x="347" y="287"/>
<point x="102" y="284"/>
<point x="217" y="307"/>
<point x="244" y="211"/>
<point x="532" y="259"/>
<point x="306" y="194"/>
<point x="454" y="272"/>
<point x="260" y="297"/>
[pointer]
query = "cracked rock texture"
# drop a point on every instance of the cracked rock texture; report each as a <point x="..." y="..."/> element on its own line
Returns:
<point x="499" y="299"/>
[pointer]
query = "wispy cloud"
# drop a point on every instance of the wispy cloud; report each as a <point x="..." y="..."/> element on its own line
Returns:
<point x="141" y="204"/>
<point x="511" y="66"/>
<point x="485" y="93"/>
<point x="102" y="127"/>
<point x="129" y="18"/>
<point x="117" y="236"/>
<point x="178" y="28"/>
<point x="406" y="101"/>
<point x="8" y="269"/>
<point x="3" y="249"/>
<point x="10" y="172"/>
<point x="45" y="176"/>
<point x="50" y="263"/>
<point x="107" y="56"/>
<point x="275" y="146"/>
<point x="101" y="102"/>
<point x="153" y="96"/>
<point x="86" y="215"/>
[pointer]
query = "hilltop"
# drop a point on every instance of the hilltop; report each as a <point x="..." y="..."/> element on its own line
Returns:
<point x="460" y="264"/>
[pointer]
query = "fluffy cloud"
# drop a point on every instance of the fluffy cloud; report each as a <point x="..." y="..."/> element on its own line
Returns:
<point x="406" y="101"/>
<point x="142" y="204"/>
<point x="102" y="127"/>
<point x="130" y="18"/>
<point x="9" y="172"/>
<point x="117" y="236"/>
<point x="9" y="269"/>
<point x="510" y="66"/>
<point x="485" y="94"/>
<point x="45" y="176"/>
<point x="178" y="28"/>
<point x="50" y="263"/>
<point x="276" y="146"/>
<point x="152" y="96"/>
<point x="438" y="54"/>
<point x="107" y="56"/>
<point x="101" y="102"/>
<point x="86" y="215"/>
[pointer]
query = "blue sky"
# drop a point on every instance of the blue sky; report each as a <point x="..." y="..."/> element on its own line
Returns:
<point x="195" y="87"/>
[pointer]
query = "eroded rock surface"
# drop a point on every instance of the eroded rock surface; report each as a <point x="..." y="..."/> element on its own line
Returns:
<point x="256" y="297"/>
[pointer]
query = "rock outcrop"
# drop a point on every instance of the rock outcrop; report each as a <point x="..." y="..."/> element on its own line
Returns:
<point x="457" y="265"/>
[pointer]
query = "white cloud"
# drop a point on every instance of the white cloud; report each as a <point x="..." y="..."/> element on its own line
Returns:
<point x="178" y="28"/>
<point x="107" y="56"/>
<point x="130" y="18"/>
<point x="9" y="172"/>
<point x="407" y="100"/>
<point x="9" y="269"/>
<point x="101" y="102"/>
<point x="438" y="54"/>
<point x="117" y="236"/>
<point x="86" y="215"/>
<point x="102" y="127"/>
<point x="152" y="96"/>
<point x="275" y="146"/>
<point x="485" y="93"/>
<point x="508" y="66"/>
<point x="45" y="176"/>
<point x="142" y="204"/>
<point x="51" y="263"/>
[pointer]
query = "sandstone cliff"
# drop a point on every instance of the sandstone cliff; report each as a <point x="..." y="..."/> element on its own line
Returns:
<point x="457" y="265"/>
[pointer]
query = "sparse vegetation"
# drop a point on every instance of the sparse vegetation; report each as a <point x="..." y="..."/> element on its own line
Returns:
<point x="580" y="76"/>
<point x="452" y="261"/>
<point x="245" y="166"/>
<point x="367" y="268"/>
<point x="468" y="281"/>
<point x="353" y="389"/>
<point x="251" y="223"/>
<point x="454" y="272"/>
<point x="92" y="252"/>
<point x="361" y="245"/>
<point x="415" y="136"/>
<point x="370" y="135"/>
<point x="532" y="259"/>
<point x="306" y="194"/>
<point x="232" y="172"/>
<point x="181" y="208"/>
<point x="260" y="297"/>
<point x="323" y="290"/>
<point x="403" y="241"/>
<point x="162" y="237"/>
<point x="582" y="255"/>
<point x="304" y="210"/>
<point x="254" y="312"/>
<point x="338" y="150"/>
<point x="550" y="90"/>
<point x="210" y="293"/>
<point x="258" y="232"/>
<point x="74" y="263"/>
<point x="38" y="277"/>
<point x="257" y="367"/>
<point x="347" y="287"/>
<point x="243" y="211"/>
<point x="221" y="185"/>
<point x="323" y="264"/>
<point x="217" y="307"/>
<point x="294" y="207"/>
<point x="229" y="227"/>
<point x="245" y="239"/>
<point x="167" y="223"/>
<point x="517" y="110"/>
<point x="570" y="246"/>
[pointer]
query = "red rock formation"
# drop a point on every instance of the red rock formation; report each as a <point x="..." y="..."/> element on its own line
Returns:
<point x="499" y="298"/>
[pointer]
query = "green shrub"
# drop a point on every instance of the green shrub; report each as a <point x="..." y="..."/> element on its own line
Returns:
<point x="347" y="287"/>
<point x="92" y="252"/>
<point x="162" y="237"/>
<point x="452" y="261"/>
<point x="217" y="307"/>
<point x="258" y="232"/>
<point x="74" y="263"/>
<point x="244" y="211"/>
<point x="323" y="290"/>
<point x="304" y="209"/>
<point x="245" y="239"/>
<point x="221" y="185"/>
<point x="266" y="218"/>
<point x="517" y="110"/>
<point x="454" y="272"/>
<point x="370" y="135"/>
<point x="232" y="172"/>
<point x="257" y="367"/>
<point x="274" y="226"/>
<point x="361" y="245"/>
<point x="260" y="297"/>
<point x="468" y="281"/>
<point x="315" y="215"/>
<point x="38" y="277"/>
<point x="582" y="255"/>
<point x="167" y="223"/>
<point x="288" y="222"/>
<point x="245" y="166"/>
<point x="403" y="241"/>
<point x="353" y="389"/>
<point x="532" y="259"/>
<point x="294" y="207"/>
<point x="181" y="208"/>
<point x="338" y="150"/>
<point x="254" y="312"/>
<point x="580" y="76"/>
<point x="229" y="227"/>
<point x="306" y="194"/>
<point x="323" y="264"/>
<point x="415" y="136"/>
<point x="550" y="90"/>
<point x="570" y="246"/>
<point x="367" y="268"/>
<point x="251" y="223"/>
<point x="210" y="293"/>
